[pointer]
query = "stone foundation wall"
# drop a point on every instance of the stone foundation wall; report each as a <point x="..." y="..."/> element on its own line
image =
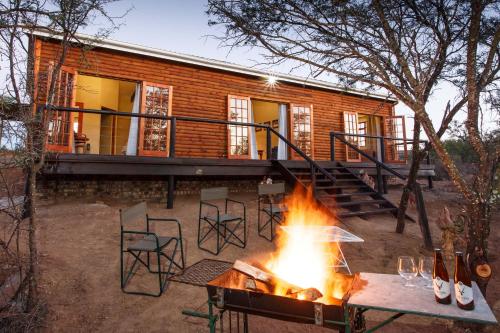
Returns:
<point x="155" y="189"/>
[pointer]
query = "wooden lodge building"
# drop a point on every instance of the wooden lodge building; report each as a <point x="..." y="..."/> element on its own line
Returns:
<point x="153" y="122"/>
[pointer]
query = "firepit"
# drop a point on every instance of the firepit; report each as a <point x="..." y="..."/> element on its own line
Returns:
<point x="229" y="291"/>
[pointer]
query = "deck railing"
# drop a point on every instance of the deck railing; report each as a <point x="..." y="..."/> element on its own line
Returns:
<point x="173" y="121"/>
<point x="382" y="160"/>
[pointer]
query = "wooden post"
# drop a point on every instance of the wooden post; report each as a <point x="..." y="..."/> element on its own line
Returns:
<point x="379" y="180"/>
<point x="429" y="178"/>
<point x="268" y="142"/>
<point x="313" y="179"/>
<point x="422" y="217"/>
<point x="332" y="147"/>
<point x="173" y="125"/>
<point x="170" y="194"/>
<point x="382" y="149"/>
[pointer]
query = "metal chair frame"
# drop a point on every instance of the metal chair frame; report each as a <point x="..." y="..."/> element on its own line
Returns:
<point x="216" y="223"/>
<point x="139" y="211"/>
<point x="273" y="217"/>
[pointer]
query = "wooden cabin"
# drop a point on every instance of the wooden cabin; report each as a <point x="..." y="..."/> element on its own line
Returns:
<point x="119" y="80"/>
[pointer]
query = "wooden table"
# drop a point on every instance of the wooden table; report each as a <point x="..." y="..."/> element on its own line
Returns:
<point x="386" y="292"/>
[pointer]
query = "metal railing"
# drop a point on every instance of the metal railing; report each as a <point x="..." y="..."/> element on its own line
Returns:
<point x="313" y="165"/>
<point x="424" y="224"/>
<point x="383" y="160"/>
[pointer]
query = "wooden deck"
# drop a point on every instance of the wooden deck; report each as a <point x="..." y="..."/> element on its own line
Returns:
<point x="118" y="165"/>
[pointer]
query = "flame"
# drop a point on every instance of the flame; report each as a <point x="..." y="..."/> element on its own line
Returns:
<point x="301" y="259"/>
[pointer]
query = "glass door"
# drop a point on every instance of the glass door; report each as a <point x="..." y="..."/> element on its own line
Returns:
<point x="60" y="123"/>
<point x="351" y="126"/>
<point x="395" y="130"/>
<point x="154" y="134"/>
<point x="301" y="124"/>
<point x="237" y="135"/>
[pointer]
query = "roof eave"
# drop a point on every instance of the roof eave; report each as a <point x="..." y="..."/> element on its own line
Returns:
<point x="215" y="64"/>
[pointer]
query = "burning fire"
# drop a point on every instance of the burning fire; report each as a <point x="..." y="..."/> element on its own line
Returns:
<point x="301" y="258"/>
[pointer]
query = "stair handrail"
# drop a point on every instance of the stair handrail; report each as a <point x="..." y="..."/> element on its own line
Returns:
<point x="304" y="156"/>
<point x="384" y="166"/>
<point x="424" y="223"/>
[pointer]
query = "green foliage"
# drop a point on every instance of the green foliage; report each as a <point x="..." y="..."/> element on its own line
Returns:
<point x="461" y="150"/>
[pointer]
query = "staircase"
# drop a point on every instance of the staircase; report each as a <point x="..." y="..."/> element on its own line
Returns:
<point x="344" y="193"/>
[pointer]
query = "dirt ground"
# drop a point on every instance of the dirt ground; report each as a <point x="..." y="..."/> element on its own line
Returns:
<point x="79" y="248"/>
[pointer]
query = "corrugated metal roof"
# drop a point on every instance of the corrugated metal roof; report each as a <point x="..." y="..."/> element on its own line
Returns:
<point x="216" y="64"/>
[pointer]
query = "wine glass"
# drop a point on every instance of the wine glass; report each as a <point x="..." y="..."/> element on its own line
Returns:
<point x="425" y="268"/>
<point x="407" y="269"/>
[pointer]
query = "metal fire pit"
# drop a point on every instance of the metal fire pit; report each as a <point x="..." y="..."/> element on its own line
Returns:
<point x="228" y="292"/>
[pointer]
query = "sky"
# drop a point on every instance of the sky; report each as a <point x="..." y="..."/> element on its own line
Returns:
<point x="182" y="26"/>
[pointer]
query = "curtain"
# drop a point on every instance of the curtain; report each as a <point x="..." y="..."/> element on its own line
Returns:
<point x="134" y="123"/>
<point x="282" y="122"/>
<point x="254" y="155"/>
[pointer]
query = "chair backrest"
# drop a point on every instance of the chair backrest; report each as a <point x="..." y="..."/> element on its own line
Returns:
<point x="277" y="188"/>
<point x="132" y="214"/>
<point x="215" y="193"/>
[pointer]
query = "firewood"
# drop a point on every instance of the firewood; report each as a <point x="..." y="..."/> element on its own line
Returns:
<point x="309" y="294"/>
<point x="268" y="278"/>
<point x="254" y="272"/>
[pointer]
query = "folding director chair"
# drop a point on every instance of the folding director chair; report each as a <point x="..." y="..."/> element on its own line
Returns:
<point x="223" y="225"/>
<point x="269" y="204"/>
<point x="148" y="248"/>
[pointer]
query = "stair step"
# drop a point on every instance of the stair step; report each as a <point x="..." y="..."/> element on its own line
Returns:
<point x="307" y="168"/>
<point x="367" y="212"/>
<point x="304" y="173"/>
<point x="346" y="195"/>
<point x="340" y="187"/>
<point x="360" y="202"/>
<point x="305" y="180"/>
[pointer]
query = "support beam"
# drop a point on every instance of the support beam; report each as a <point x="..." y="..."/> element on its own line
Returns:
<point x="422" y="217"/>
<point x="171" y="190"/>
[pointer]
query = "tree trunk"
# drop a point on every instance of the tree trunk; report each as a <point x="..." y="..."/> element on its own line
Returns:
<point x="32" y="244"/>
<point x="478" y="230"/>
<point x="417" y="157"/>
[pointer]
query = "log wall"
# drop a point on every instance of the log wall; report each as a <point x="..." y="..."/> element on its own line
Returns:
<point x="202" y="92"/>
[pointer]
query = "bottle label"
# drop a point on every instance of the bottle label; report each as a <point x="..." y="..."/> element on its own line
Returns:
<point x="463" y="293"/>
<point x="441" y="287"/>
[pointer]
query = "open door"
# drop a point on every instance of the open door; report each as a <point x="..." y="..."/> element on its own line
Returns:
<point x="154" y="134"/>
<point x="60" y="124"/>
<point x="351" y="127"/>
<point x="301" y="134"/>
<point x="238" y="137"/>
<point x="396" y="150"/>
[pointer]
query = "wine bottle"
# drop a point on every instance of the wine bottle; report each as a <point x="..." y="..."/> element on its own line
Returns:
<point x="463" y="284"/>
<point x="440" y="279"/>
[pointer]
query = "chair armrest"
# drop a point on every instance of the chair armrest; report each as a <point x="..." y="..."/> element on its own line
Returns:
<point x="176" y="221"/>
<point x="145" y="233"/>
<point x="236" y="201"/>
